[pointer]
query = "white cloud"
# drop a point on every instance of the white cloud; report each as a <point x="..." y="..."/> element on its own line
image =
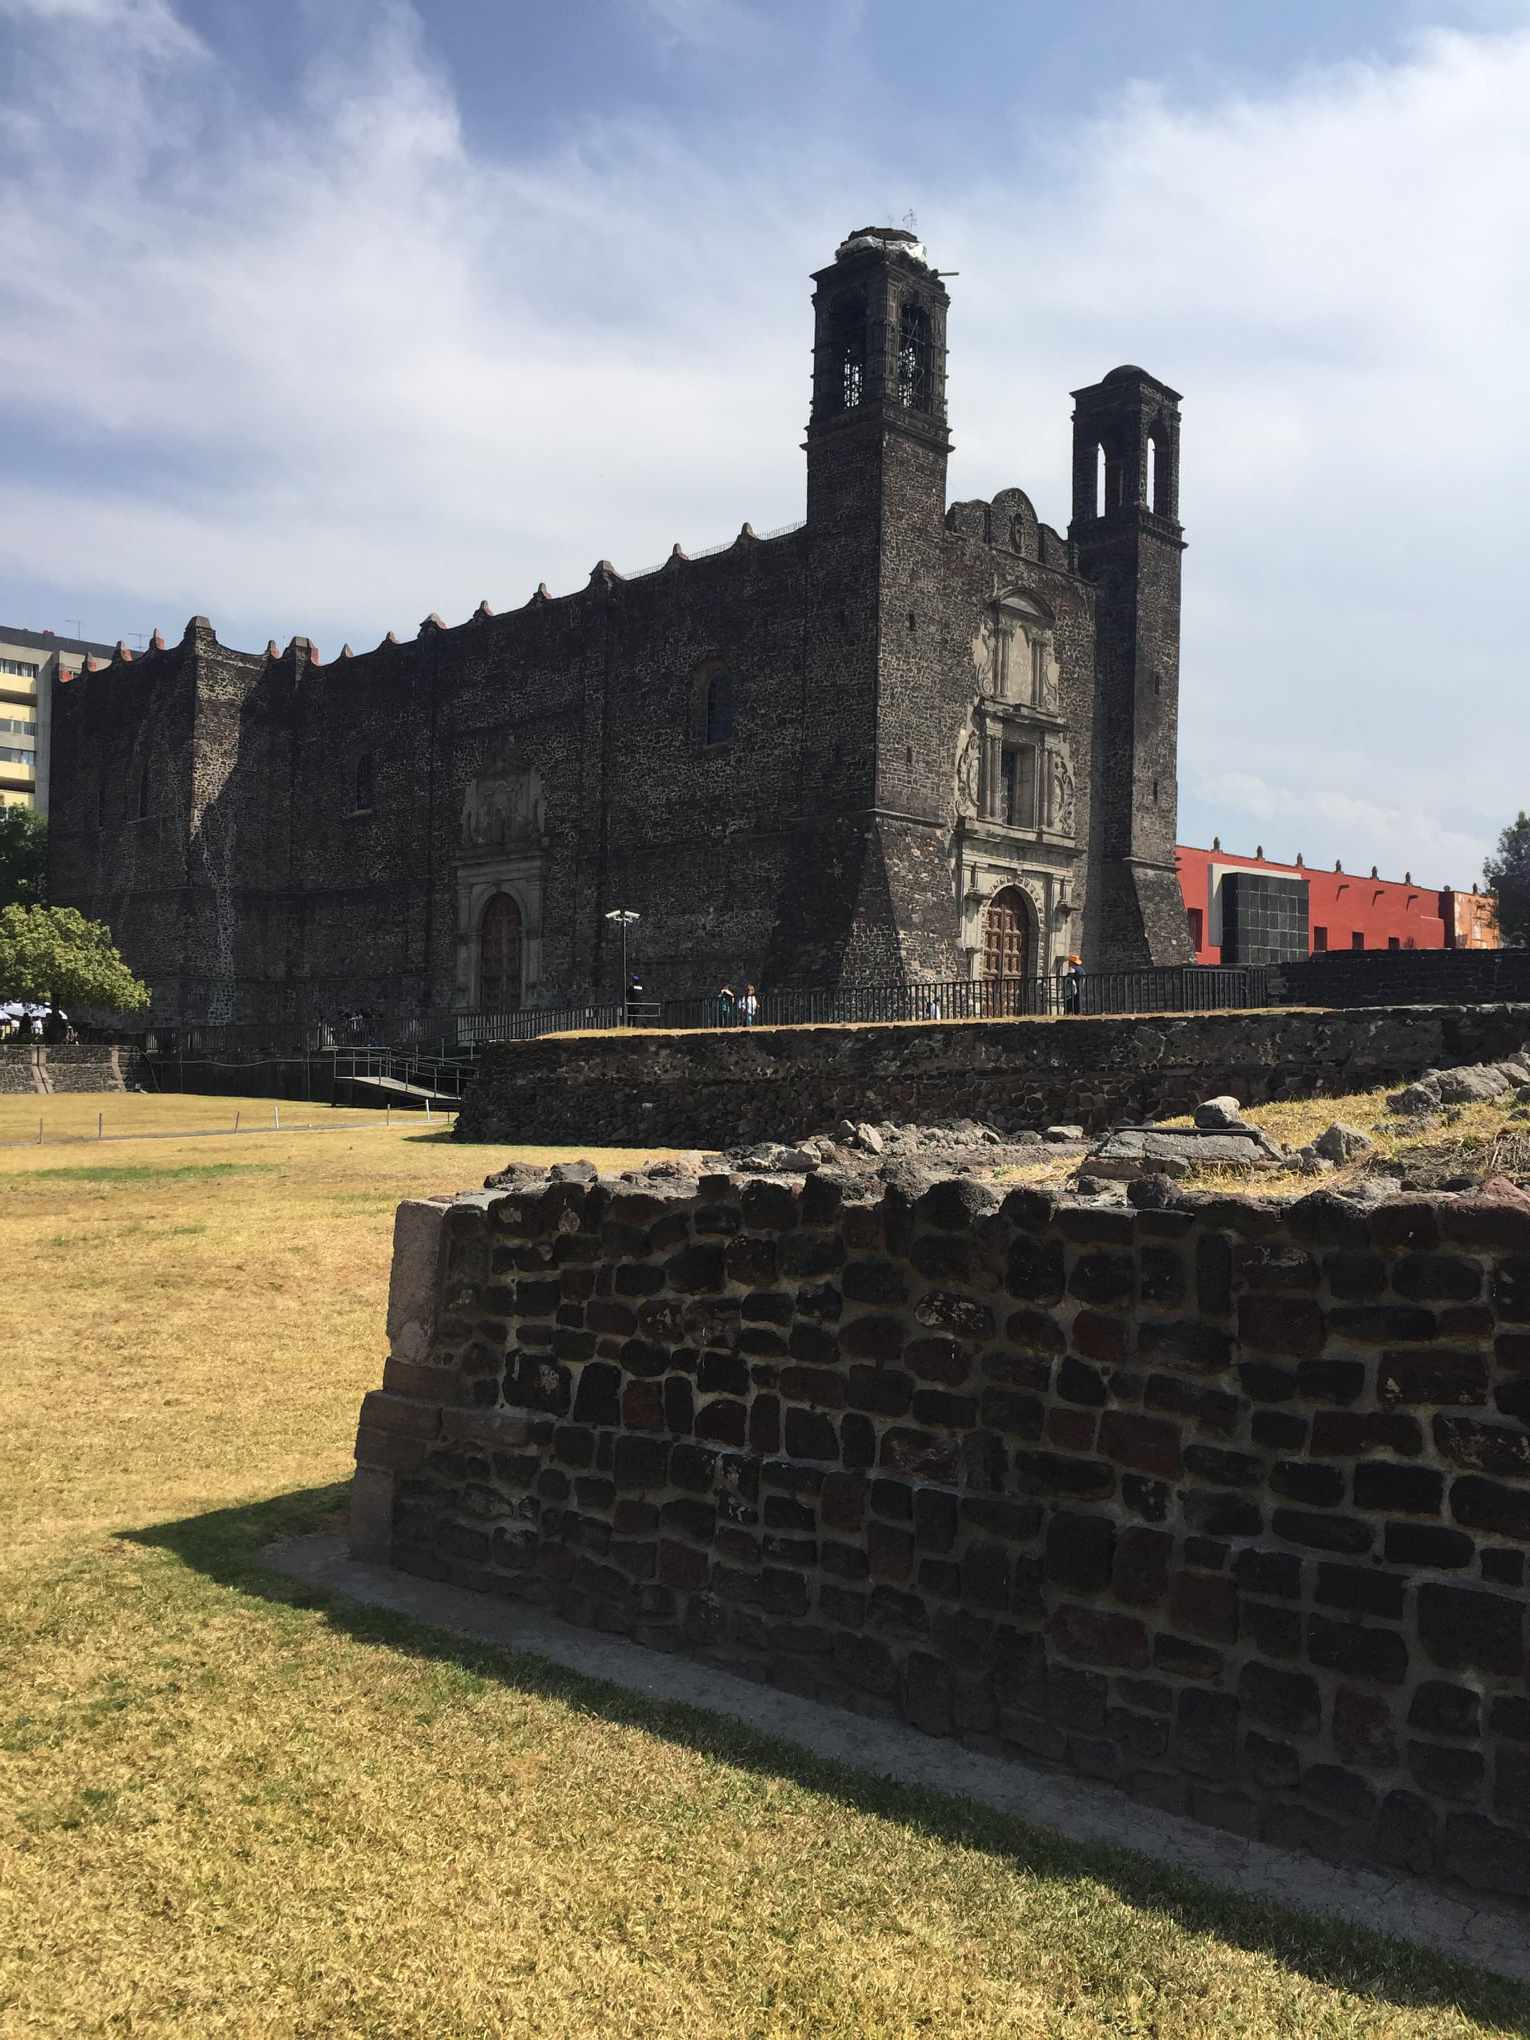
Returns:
<point x="709" y="27"/>
<point x="150" y="25"/>
<point x="326" y="368"/>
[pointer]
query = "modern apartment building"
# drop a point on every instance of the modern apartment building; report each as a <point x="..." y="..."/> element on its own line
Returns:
<point x="30" y="660"/>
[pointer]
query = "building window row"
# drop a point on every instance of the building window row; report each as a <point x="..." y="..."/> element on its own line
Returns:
<point x="18" y="669"/>
<point x="14" y="728"/>
<point x="13" y="755"/>
<point x="1357" y="941"/>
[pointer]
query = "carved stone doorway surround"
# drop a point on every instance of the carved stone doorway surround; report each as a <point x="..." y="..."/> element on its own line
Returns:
<point x="478" y="881"/>
<point x="985" y="871"/>
<point x="502" y="848"/>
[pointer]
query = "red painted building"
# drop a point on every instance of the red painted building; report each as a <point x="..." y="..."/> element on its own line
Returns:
<point x="1344" y="909"/>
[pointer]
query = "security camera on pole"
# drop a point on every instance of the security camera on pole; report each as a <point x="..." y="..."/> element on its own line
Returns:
<point x="625" y="918"/>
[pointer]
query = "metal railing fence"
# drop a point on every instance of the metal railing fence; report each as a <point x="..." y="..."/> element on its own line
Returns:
<point x="443" y="1041"/>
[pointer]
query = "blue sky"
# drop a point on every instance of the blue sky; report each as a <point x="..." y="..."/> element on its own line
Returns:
<point x="319" y="315"/>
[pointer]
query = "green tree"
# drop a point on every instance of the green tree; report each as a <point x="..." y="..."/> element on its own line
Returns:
<point x="1507" y="872"/>
<point x="23" y="856"/>
<point x="54" y="956"/>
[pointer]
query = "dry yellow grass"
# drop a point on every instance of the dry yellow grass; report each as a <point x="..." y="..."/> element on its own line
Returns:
<point x="232" y="1808"/>
<point x="74" y="1115"/>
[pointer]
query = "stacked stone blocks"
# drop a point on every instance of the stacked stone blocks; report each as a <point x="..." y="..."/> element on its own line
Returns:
<point x="1227" y="1503"/>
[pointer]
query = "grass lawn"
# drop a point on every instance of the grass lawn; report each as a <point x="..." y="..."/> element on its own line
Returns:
<point x="230" y="1807"/>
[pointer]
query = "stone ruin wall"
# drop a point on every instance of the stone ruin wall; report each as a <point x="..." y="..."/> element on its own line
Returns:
<point x="42" y="1069"/>
<point x="781" y="1083"/>
<point x="1225" y="1502"/>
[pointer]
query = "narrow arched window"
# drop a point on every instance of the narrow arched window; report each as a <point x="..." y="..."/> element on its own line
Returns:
<point x="1152" y="475"/>
<point x="914" y="379"/>
<point x="719" y="708"/>
<point x="500" y="956"/>
<point x="364" y="781"/>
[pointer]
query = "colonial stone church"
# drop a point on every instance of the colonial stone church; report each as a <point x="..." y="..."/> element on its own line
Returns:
<point x="902" y="741"/>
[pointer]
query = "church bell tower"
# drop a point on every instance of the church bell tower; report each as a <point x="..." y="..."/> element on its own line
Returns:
<point x="877" y="441"/>
<point x="1129" y="542"/>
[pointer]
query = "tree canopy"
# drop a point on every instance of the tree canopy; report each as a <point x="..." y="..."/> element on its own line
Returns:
<point x="23" y="856"/>
<point x="54" y="956"/>
<point x="1507" y="872"/>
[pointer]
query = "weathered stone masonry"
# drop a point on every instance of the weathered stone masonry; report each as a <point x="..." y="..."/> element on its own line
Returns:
<point x="1227" y="1503"/>
<point x="715" y="1089"/>
<point x="27" y="1066"/>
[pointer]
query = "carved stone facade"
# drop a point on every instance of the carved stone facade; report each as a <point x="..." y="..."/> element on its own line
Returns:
<point x="903" y="741"/>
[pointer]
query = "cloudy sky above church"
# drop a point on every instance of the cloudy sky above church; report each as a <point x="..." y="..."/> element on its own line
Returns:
<point x="319" y="315"/>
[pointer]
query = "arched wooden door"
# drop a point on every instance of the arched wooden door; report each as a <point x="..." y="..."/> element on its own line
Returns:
<point x="499" y="956"/>
<point x="1007" y="949"/>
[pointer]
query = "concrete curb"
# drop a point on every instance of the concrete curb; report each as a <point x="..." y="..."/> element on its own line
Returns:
<point x="1491" y="1936"/>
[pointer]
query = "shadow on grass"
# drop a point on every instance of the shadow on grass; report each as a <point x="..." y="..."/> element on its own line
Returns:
<point x="225" y="1544"/>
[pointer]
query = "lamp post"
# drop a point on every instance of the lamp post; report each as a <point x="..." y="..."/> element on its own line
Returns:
<point x="625" y="918"/>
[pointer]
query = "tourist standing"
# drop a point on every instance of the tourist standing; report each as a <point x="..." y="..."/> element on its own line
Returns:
<point x="749" y="1005"/>
<point x="727" y="1007"/>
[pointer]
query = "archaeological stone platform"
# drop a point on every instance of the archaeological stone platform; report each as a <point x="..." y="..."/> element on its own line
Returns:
<point x="1226" y="1503"/>
<point x="715" y="1089"/>
<point x="32" y="1067"/>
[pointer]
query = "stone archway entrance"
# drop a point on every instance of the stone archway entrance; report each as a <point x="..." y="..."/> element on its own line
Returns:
<point x="1009" y="950"/>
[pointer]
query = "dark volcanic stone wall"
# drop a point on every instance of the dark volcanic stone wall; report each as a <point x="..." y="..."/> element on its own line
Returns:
<point x="1398" y="977"/>
<point x="781" y="1083"/>
<point x="84" y="1066"/>
<point x="1226" y="1503"/>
